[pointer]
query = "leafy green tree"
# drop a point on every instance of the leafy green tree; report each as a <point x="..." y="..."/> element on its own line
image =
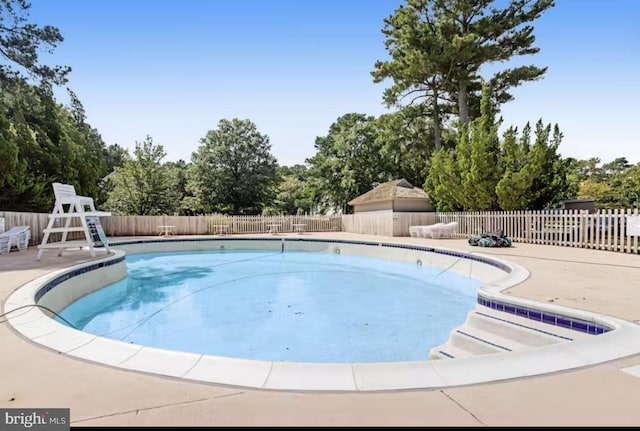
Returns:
<point x="444" y="183"/>
<point x="484" y="173"/>
<point x="586" y="169"/>
<point x="616" y="167"/>
<point x="547" y="168"/>
<point x="115" y="156"/>
<point x="347" y="162"/>
<point x="299" y="171"/>
<point x="234" y="169"/>
<point x="406" y="144"/>
<point x="438" y="47"/>
<point x="514" y="188"/>
<point x="88" y="148"/>
<point x="292" y="198"/>
<point x="21" y="42"/>
<point x="38" y="122"/>
<point x="56" y="142"/>
<point x="614" y="186"/>
<point x="293" y="193"/>
<point x="416" y="46"/>
<point x="603" y="194"/>
<point x="191" y="203"/>
<point x="15" y="179"/>
<point x="578" y="171"/>
<point x="144" y="185"/>
<point x="542" y="181"/>
<point x="611" y="184"/>
<point x="447" y="184"/>
<point x="179" y="170"/>
<point x="631" y="187"/>
<point x="482" y="34"/>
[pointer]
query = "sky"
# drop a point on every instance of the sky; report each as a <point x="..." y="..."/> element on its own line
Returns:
<point x="173" y="69"/>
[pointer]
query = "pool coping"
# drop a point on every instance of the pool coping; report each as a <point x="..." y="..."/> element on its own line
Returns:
<point x="279" y="375"/>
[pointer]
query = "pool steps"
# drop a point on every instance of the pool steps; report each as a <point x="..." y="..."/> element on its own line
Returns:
<point x="487" y="331"/>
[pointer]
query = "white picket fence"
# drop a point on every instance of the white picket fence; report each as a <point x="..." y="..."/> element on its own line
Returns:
<point x="604" y="230"/>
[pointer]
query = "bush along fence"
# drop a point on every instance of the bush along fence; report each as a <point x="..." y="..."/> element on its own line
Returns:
<point x="613" y="230"/>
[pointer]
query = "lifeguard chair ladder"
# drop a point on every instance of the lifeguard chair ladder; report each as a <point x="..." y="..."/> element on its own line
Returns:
<point x="89" y="222"/>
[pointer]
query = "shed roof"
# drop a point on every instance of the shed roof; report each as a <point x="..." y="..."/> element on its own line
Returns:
<point x="391" y="190"/>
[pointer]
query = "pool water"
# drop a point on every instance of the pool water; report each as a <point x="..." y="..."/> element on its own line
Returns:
<point x="281" y="306"/>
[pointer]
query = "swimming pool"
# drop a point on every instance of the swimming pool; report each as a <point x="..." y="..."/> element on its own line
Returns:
<point x="58" y="289"/>
<point x="279" y="305"/>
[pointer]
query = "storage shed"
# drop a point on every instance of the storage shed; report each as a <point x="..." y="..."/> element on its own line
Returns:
<point x="389" y="209"/>
<point x="396" y="196"/>
<point x="580" y="204"/>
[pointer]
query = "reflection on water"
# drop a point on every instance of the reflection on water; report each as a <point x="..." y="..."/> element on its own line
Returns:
<point x="144" y="286"/>
<point x="292" y="306"/>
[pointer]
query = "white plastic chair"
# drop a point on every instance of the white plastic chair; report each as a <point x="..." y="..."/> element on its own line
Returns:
<point x="445" y="231"/>
<point x="66" y="194"/>
<point x="427" y="231"/>
<point x="17" y="236"/>
<point x="4" y="244"/>
<point x="414" y="231"/>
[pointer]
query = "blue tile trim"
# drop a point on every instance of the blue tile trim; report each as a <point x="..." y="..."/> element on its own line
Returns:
<point x="483" y="340"/>
<point x="64" y="277"/>
<point x="452" y="253"/>
<point x="446" y="354"/>
<point x="332" y="241"/>
<point x="408" y="247"/>
<point x="425" y="249"/>
<point x="525" y="326"/>
<point x="457" y="254"/>
<point x="546" y="317"/>
<point x="146" y="241"/>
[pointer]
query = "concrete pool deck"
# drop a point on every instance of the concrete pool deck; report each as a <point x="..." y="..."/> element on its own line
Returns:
<point x="599" y="281"/>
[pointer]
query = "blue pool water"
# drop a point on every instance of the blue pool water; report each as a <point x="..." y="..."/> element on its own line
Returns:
<point x="291" y="306"/>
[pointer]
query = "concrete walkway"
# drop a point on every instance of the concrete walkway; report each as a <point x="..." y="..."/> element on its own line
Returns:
<point x="605" y="282"/>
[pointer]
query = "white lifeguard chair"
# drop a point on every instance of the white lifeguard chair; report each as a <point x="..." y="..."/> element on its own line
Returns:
<point x="89" y="222"/>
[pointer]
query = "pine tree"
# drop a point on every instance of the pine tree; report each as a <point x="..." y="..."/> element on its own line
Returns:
<point x="484" y="173"/>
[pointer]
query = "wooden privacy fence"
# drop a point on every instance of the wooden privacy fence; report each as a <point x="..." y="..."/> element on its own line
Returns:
<point x="182" y="225"/>
<point x="604" y="230"/>
<point x="37" y="222"/>
<point x="385" y="223"/>
<point x="211" y="224"/>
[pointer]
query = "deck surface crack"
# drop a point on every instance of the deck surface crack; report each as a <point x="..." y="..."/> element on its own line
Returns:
<point x="138" y="411"/>
<point x="462" y="407"/>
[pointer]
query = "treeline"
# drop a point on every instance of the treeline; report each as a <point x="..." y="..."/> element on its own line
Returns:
<point x="233" y="170"/>
<point x="442" y="134"/>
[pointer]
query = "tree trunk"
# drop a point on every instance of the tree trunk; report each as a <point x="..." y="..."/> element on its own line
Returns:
<point x="463" y="102"/>
<point x="436" y="123"/>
